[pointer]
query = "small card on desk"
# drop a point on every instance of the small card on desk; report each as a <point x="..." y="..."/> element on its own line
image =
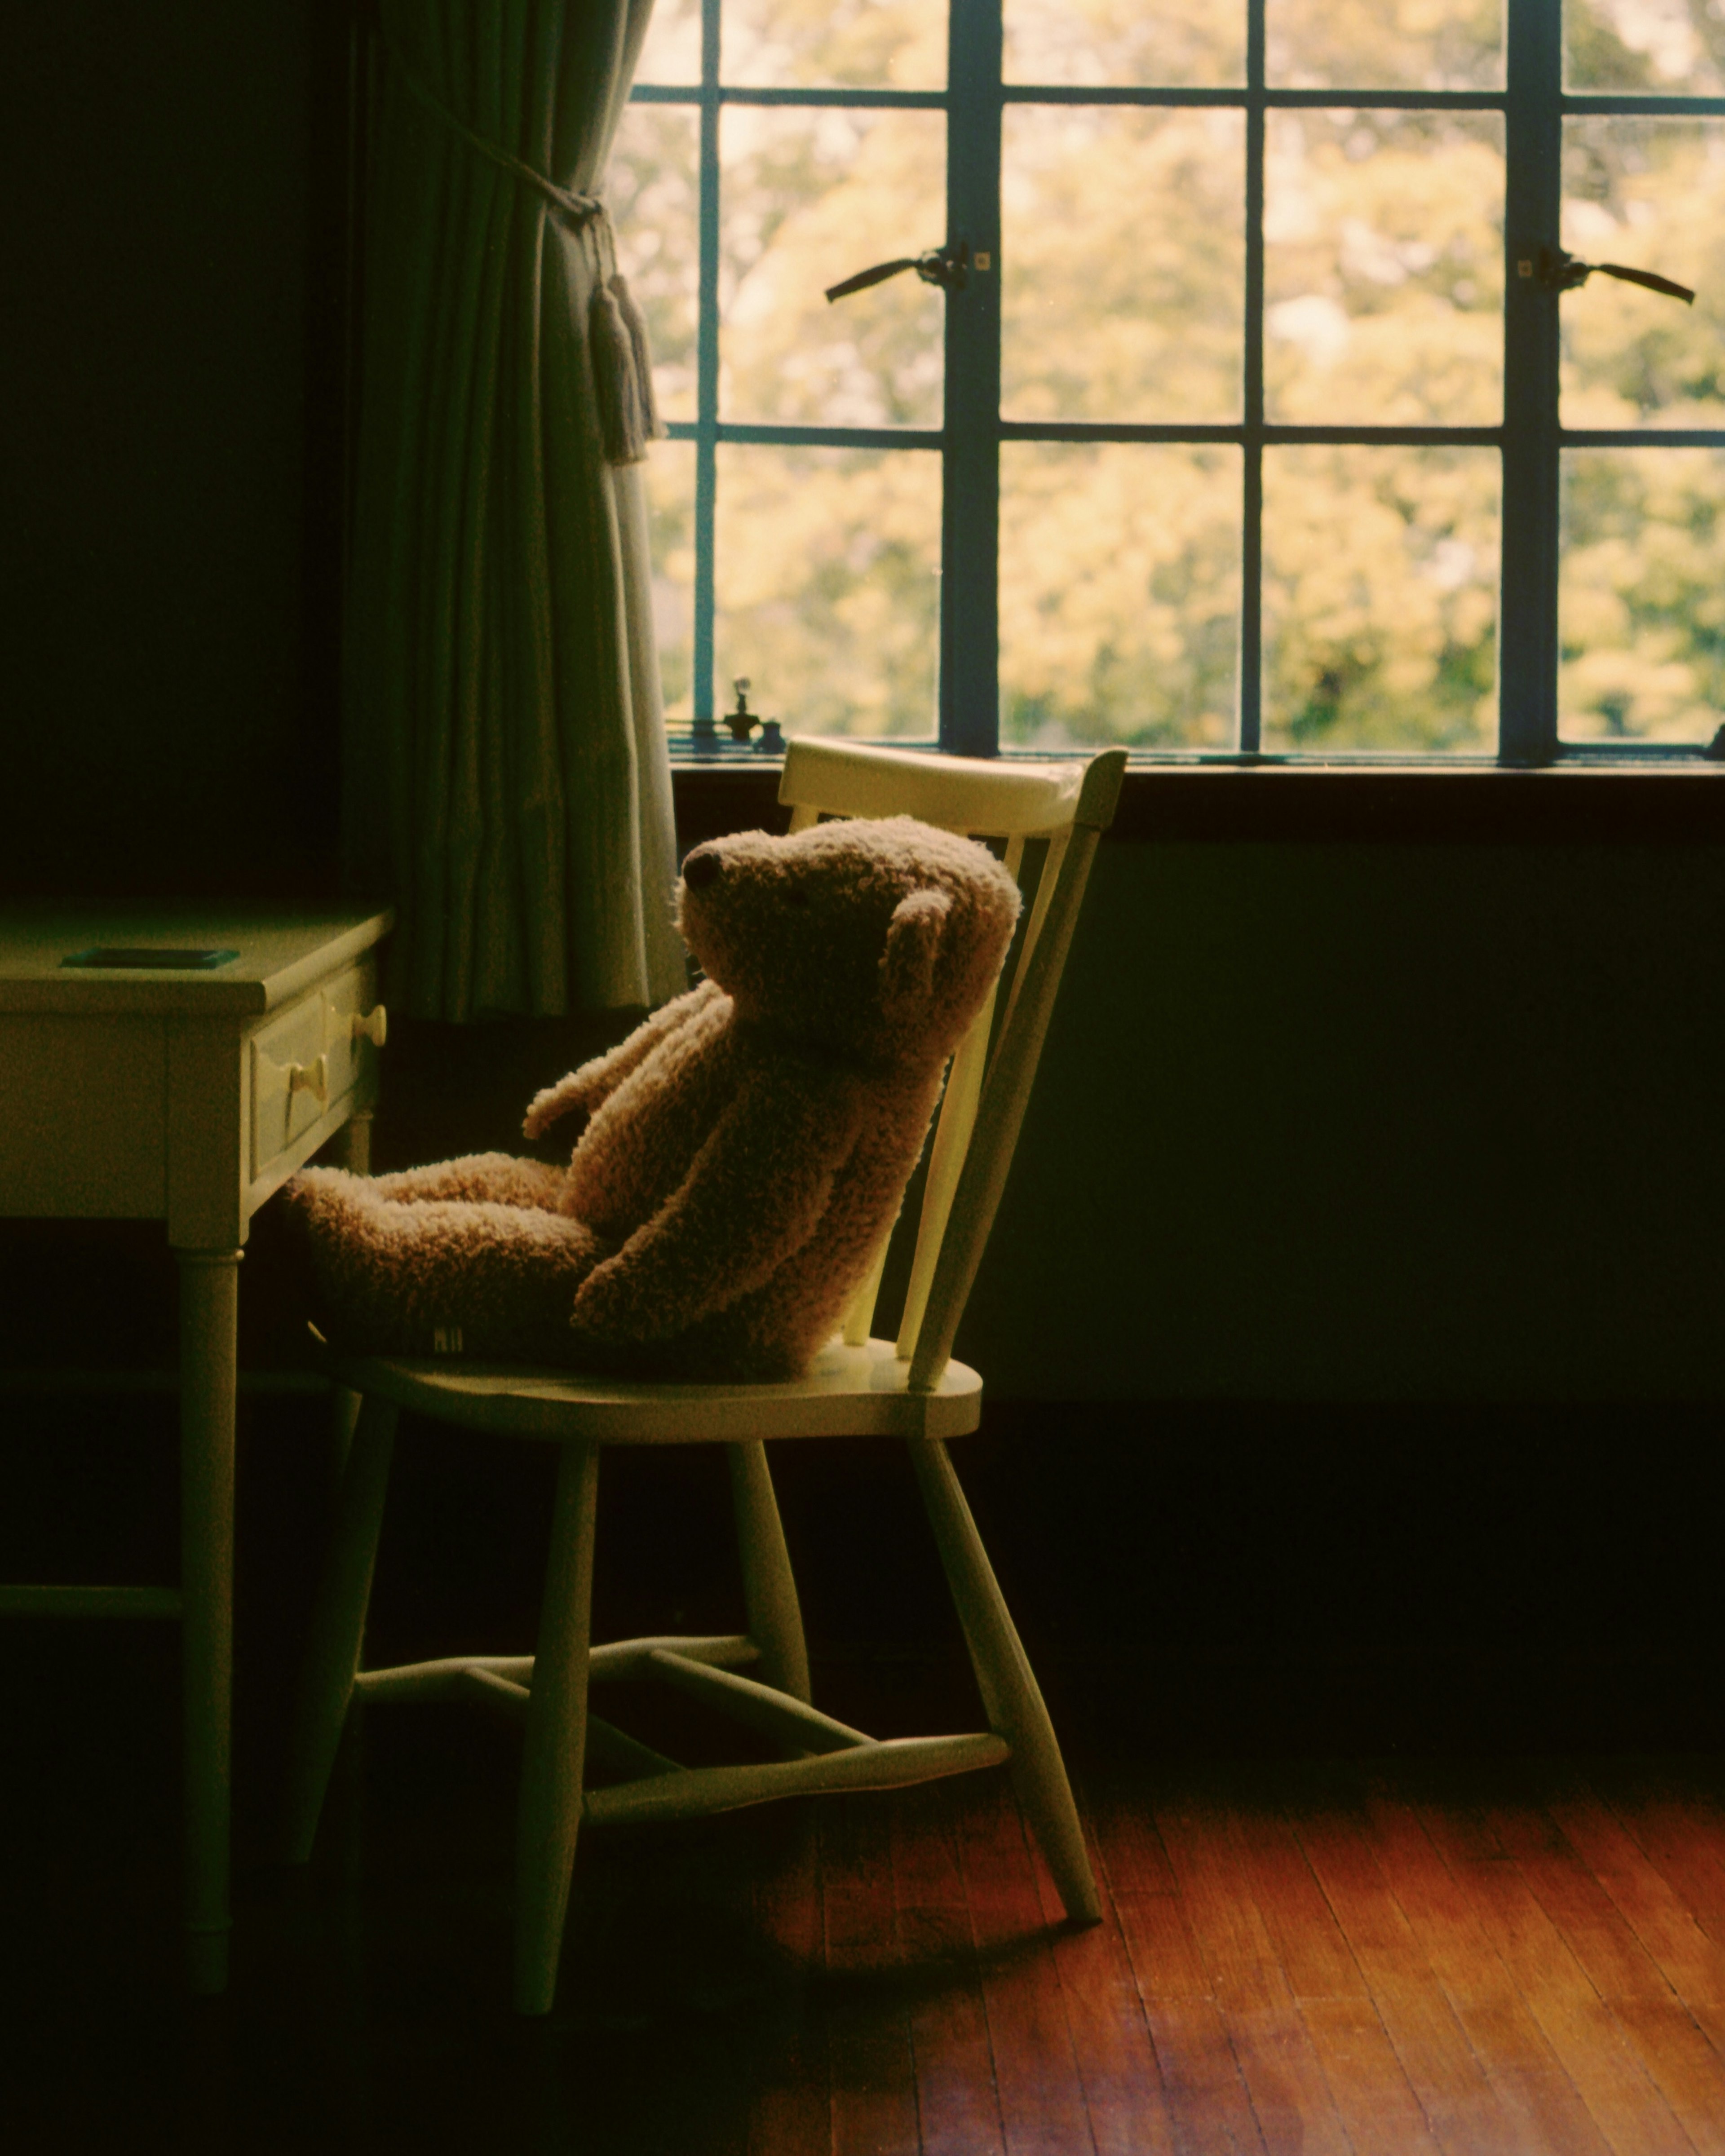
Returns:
<point x="143" y="960"/>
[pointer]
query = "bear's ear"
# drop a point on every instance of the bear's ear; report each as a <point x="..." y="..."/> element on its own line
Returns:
<point x="913" y="944"/>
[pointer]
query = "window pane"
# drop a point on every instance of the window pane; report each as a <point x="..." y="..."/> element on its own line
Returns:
<point x="858" y="44"/>
<point x="669" y="477"/>
<point x="1384" y="44"/>
<point x="1658" y="45"/>
<point x="653" y="188"/>
<point x="672" y="51"/>
<point x="1649" y="193"/>
<point x="1124" y="262"/>
<point x="826" y="565"/>
<point x="1119" y="594"/>
<point x="806" y="198"/>
<point x="1180" y="44"/>
<point x="1380" y="598"/>
<point x="1642" y="595"/>
<point x="1383" y="269"/>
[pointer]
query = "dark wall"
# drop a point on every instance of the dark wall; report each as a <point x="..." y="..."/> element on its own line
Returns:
<point x="167" y="534"/>
<point x="1417" y="1123"/>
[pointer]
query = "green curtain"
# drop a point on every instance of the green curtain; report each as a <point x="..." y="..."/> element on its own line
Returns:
<point x="506" y="775"/>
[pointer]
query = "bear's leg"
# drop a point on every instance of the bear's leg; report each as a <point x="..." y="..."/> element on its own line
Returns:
<point x="495" y="1282"/>
<point x="493" y="1178"/>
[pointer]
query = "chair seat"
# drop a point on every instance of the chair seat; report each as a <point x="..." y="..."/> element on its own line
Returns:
<point x="859" y="1391"/>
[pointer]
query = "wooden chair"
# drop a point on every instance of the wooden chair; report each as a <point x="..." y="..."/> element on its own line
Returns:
<point x="910" y="1389"/>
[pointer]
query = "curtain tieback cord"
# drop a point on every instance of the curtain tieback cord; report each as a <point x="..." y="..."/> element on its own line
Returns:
<point x="617" y="329"/>
<point x="579" y="209"/>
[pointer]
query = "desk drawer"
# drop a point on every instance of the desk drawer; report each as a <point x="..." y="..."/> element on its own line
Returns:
<point x="355" y="1028"/>
<point x="308" y="1060"/>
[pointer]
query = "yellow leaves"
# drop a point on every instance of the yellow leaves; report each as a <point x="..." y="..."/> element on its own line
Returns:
<point x="806" y="199"/>
<point x="1122" y="263"/>
<point x="1649" y="192"/>
<point x="1635" y="44"/>
<point x="1619" y="694"/>
<point x="865" y="44"/>
<point x="1119" y="593"/>
<point x="1380" y="577"/>
<point x="828" y="585"/>
<point x="1385" y="44"/>
<point x="1641" y="600"/>
<point x="1383" y="267"/>
<point x="1177" y="41"/>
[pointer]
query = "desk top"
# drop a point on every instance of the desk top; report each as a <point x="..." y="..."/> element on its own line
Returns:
<point x="280" y="954"/>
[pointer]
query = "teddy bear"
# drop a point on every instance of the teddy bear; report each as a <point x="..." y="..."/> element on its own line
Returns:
<point x="745" y="1150"/>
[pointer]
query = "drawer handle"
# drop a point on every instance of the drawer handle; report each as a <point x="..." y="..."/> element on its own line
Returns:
<point x="372" y="1026"/>
<point x="312" y="1078"/>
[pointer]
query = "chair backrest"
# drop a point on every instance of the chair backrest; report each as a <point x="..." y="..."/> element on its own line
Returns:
<point x="1070" y="804"/>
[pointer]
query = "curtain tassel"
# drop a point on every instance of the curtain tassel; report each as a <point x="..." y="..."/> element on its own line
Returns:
<point x="652" y="425"/>
<point x="623" y="374"/>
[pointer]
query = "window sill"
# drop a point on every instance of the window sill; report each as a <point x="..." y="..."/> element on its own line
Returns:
<point x="1399" y="804"/>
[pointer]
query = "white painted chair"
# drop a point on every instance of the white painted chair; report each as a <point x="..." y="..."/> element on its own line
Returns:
<point x="911" y="1388"/>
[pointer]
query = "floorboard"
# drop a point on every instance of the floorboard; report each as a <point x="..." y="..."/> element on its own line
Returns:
<point x="1464" y="2113"/>
<point x="1470" y="1958"/>
<point x="1124" y="2095"/>
<point x="1036" y="2074"/>
<point x="873" y="2068"/>
<point x="958" y="2107"/>
<point x="1674" y="2050"/>
<point x="1624" y="2100"/>
<point x="1291" y="2097"/>
<point x="1517" y="2055"/>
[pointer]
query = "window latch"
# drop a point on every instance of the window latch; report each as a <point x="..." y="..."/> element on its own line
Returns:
<point x="1559" y="272"/>
<point x="945" y="266"/>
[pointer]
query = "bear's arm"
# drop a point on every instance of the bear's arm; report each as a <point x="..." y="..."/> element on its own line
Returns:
<point x="596" y="1081"/>
<point x="754" y="1195"/>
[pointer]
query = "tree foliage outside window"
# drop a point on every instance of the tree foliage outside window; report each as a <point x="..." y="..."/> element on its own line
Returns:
<point x="1142" y="522"/>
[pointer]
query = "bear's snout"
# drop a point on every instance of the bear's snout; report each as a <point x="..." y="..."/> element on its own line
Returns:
<point x="702" y="868"/>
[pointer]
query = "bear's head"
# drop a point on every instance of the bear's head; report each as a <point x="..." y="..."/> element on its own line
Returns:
<point x="874" y="940"/>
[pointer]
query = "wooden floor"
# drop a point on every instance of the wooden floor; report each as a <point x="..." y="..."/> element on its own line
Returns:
<point x="1479" y="1960"/>
<point x="1470" y="1958"/>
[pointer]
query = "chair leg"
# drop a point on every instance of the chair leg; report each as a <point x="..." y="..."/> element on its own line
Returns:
<point x="344" y="1415"/>
<point x="550" y="1811"/>
<point x="1011" y="1697"/>
<point x="768" y="1588"/>
<point x="338" y="1623"/>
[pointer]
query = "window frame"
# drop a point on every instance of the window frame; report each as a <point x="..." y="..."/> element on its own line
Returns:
<point x="1530" y="440"/>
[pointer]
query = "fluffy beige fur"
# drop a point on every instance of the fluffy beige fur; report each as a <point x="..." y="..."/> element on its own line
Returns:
<point x="746" y="1148"/>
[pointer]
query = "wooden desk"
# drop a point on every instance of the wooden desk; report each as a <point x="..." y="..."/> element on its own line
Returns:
<point x="188" y="1097"/>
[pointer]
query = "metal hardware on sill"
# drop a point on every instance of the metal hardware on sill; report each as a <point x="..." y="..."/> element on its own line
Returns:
<point x="948" y="267"/>
<point x="1562" y="272"/>
<point x="742" y="722"/>
<point x="704" y="739"/>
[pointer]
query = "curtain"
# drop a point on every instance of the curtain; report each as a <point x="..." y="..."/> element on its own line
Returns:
<point x="506" y="778"/>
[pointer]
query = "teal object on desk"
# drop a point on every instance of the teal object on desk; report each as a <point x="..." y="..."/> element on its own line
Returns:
<point x="147" y="960"/>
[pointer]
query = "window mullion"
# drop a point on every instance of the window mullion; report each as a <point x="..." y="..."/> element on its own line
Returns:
<point x="970" y="504"/>
<point x="706" y="367"/>
<point x="1527" y="663"/>
<point x="1251" y="565"/>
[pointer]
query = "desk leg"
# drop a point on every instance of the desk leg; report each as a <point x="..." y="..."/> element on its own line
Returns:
<point x="209" y="1309"/>
<point x="351" y="1147"/>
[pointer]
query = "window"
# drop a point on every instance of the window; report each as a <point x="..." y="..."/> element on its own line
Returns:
<point x="1259" y="424"/>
